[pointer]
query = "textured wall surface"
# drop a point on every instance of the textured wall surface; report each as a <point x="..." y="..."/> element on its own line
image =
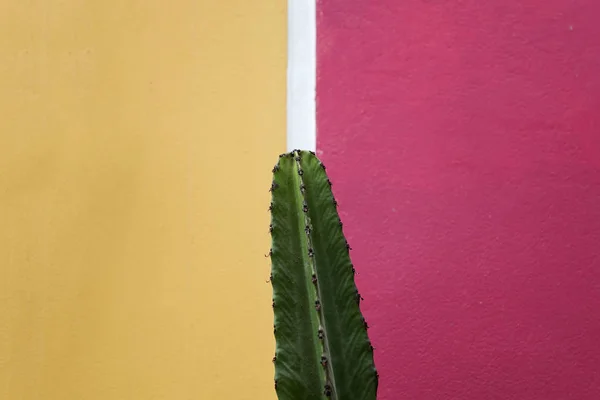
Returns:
<point x="130" y="264"/>
<point x="464" y="145"/>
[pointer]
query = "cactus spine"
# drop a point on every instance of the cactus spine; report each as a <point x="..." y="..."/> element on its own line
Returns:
<point x="322" y="347"/>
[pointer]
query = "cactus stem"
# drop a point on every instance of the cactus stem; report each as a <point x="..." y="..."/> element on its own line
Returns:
<point x="314" y="270"/>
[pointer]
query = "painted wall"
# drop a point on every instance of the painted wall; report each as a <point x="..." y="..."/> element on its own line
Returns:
<point x="463" y="142"/>
<point x="134" y="141"/>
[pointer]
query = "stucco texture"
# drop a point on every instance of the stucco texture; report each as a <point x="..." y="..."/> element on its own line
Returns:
<point x="135" y="144"/>
<point x="463" y="142"/>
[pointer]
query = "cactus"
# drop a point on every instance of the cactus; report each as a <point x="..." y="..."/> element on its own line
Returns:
<point x="322" y="346"/>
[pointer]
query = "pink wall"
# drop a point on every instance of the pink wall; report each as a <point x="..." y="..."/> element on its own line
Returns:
<point x="464" y="145"/>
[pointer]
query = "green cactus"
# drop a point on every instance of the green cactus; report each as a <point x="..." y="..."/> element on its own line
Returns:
<point x="322" y="347"/>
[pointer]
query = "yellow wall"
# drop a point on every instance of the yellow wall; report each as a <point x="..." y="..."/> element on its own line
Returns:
<point x="136" y="140"/>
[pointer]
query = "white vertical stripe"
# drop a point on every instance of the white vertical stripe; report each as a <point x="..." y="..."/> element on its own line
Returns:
<point x="301" y="75"/>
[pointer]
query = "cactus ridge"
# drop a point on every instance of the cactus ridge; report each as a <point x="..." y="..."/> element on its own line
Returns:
<point x="322" y="347"/>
